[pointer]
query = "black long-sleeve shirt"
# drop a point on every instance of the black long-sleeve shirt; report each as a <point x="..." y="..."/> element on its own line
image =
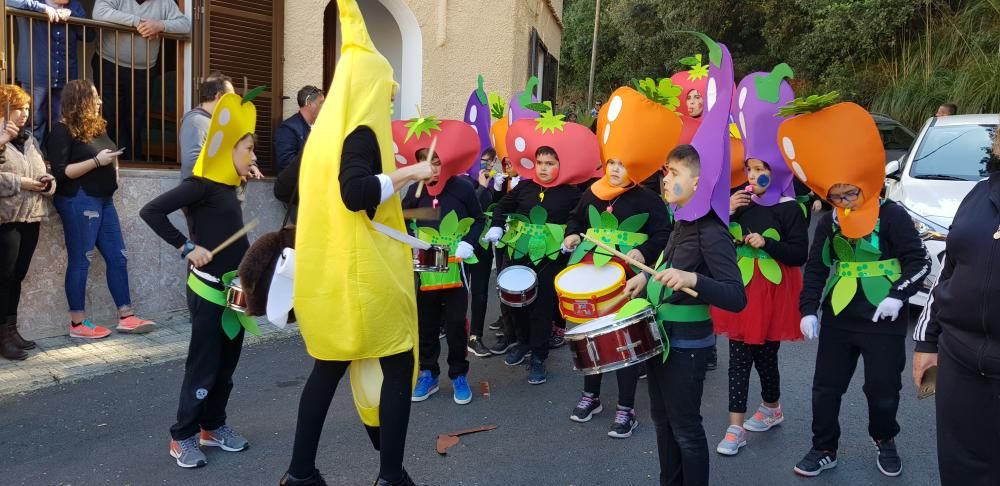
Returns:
<point x="360" y="163"/>
<point x="458" y="195"/>
<point x="214" y="213"/>
<point x="61" y="150"/>
<point x="787" y="219"/>
<point x="705" y="247"/>
<point x="636" y="200"/>
<point x="559" y="202"/>
<point x="961" y="315"/>
<point x="897" y="239"/>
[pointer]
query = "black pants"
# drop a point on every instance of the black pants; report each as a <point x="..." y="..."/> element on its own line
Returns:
<point x="968" y="425"/>
<point x="742" y="358"/>
<point x="628" y="381"/>
<point x="885" y="357"/>
<point x="480" y="282"/>
<point x="506" y="312"/>
<point x="123" y="89"/>
<point x="394" y="414"/>
<point x="675" y="390"/>
<point x="448" y="307"/>
<point x="533" y="323"/>
<point x="17" y="246"/>
<point x="208" y="372"/>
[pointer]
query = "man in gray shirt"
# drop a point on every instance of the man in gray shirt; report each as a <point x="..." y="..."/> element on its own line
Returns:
<point x="124" y="63"/>
<point x="195" y="123"/>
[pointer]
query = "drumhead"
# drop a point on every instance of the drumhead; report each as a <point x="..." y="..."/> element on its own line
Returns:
<point x="235" y="282"/>
<point x="593" y="325"/>
<point x="585" y="277"/>
<point x="517" y="278"/>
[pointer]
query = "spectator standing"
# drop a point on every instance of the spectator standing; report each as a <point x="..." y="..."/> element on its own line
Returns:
<point x="195" y="123"/>
<point x="290" y="138"/>
<point x="947" y="109"/>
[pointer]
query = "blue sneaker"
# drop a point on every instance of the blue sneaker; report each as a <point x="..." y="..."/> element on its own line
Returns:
<point x="463" y="394"/>
<point x="516" y="355"/>
<point x="536" y="372"/>
<point x="427" y="385"/>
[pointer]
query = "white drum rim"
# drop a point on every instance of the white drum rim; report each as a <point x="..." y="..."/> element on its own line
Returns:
<point x="519" y="269"/>
<point x="618" y="270"/>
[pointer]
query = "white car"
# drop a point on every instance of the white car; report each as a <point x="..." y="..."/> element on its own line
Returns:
<point x="931" y="180"/>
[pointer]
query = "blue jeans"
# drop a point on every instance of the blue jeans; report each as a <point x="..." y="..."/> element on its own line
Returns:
<point x="88" y="222"/>
<point x="41" y="100"/>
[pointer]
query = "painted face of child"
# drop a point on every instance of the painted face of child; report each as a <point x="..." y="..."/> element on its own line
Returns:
<point x="244" y="156"/>
<point x="695" y="103"/>
<point x="845" y="196"/>
<point x="617" y="174"/>
<point x="759" y="175"/>
<point x="679" y="183"/>
<point x="546" y="168"/>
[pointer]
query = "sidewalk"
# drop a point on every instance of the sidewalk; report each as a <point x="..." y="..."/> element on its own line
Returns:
<point x="62" y="359"/>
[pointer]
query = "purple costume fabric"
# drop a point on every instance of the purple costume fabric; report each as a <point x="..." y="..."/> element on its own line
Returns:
<point x="516" y="108"/>
<point x="477" y="115"/>
<point x="756" y="117"/>
<point x="712" y="144"/>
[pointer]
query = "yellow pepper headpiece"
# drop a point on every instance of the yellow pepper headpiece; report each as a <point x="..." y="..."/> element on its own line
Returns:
<point x="233" y="118"/>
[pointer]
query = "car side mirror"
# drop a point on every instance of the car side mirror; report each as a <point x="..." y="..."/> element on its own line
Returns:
<point x="892" y="170"/>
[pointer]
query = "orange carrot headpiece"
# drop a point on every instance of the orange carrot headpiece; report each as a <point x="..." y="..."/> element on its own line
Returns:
<point x="639" y="129"/>
<point x="826" y="144"/>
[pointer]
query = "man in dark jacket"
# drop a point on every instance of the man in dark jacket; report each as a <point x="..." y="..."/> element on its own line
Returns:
<point x="290" y="138"/>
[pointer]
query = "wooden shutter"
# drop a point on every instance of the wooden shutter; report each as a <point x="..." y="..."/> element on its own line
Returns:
<point x="243" y="38"/>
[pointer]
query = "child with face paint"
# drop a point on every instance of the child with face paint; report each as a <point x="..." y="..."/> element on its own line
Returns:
<point x="866" y="261"/>
<point x="770" y="231"/>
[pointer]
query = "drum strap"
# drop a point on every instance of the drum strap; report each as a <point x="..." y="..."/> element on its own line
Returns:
<point x="232" y="321"/>
<point x="683" y="313"/>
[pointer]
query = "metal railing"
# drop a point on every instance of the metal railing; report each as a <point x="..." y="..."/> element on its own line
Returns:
<point x="153" y="145"/>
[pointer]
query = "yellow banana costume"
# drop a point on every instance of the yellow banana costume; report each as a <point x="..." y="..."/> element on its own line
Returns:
<point x="234" y="117"/>
<point x="354" y="295"/>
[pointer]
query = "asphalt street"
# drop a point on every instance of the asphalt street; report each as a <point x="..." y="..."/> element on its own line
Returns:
<point x="114" y="430"/>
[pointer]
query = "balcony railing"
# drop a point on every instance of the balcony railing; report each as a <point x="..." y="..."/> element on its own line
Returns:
<point x="149" y="132"/>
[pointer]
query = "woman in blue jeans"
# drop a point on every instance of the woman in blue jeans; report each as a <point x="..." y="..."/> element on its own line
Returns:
<point x="85" y="164"/>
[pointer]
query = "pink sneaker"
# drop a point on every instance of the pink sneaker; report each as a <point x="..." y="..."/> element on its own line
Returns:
<point x="88" y="330"/>
<point x="135" y="325"/>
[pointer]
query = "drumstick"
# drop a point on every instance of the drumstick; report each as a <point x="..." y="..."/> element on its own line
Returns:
<point x="232" y="239"/>
<point x="430" y="157"/>
<point x="631" y="261"/>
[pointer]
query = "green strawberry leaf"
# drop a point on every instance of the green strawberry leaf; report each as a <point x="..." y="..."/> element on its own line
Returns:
<point x="770" y="270"/>
<point x="449" y="224"/>
<point x="230" y="324"/>
<point x="876" y="289"/>
<point x="427" y="233"/>
<point x="827" y="259"/>
<point x="522" y="247"/>
<point x="595" y="218"/>
<point x="601" y="258"/>
<point x="746" y="269"/>
<point x="536" y="249"/>
<point x="772" y="234"/>
<point x="810" y="104"/>
<point x="557" y="232"/>
<point x="248" y="323"/>
<point x="829" y="286"/>
<point x="843" y="293"/>
<point x="421" y="126"/>
<point x="632" y="308"/>
<point x="736" y="230"/>
<point x="634" y="223"/>
<point x="609" y="221"/>
<point x="579" y="252"/>
<point x="549" y="122"/>
<point x="538" y="215"/>
<point x="866" y="252"/>
<point x="464" y="225"/>
<point x="843" y="249"/>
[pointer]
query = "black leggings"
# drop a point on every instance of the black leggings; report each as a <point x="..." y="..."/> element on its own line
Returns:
<point x="743" y="357"/>
<point x="393" y="414"/>
<point x="628" y="380"/>
<point x="17" y="246"/>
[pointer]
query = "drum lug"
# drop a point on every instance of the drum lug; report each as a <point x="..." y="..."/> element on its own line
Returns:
<point x="592" y="352"/>
<point x="630" y="347"/>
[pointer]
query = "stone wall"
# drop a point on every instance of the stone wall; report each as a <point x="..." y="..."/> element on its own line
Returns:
<point x="156" y="272"/>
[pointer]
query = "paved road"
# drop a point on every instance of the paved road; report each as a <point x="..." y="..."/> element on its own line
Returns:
<point x="113" y="430"/>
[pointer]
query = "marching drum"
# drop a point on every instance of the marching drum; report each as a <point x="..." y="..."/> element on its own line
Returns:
<point x="518" y="286"/>
<point x="433" y="259"/>
<point x="587" y="291"/>
<point x="235" y="298"/>
<point x="607" y="344"/>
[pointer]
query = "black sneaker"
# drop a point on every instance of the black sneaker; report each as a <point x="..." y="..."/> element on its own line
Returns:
<point x="556" y="341"/>
<point x="624" y="423"/>
<point x="443" y="333"/>
<point x="502" y="346"/>
<point x="586" y="409"/>
<point x="713" y="360"/>
<point x="536" y="372"/>
<point x="816" y="462"/>
<point x="888" y="460"/>
<point x="496" y="325"/>
<point x="476" y="347"/>
<point x="516" y="355"/>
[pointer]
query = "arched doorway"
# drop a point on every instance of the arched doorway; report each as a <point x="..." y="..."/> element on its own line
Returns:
<point x="396" y="34"/>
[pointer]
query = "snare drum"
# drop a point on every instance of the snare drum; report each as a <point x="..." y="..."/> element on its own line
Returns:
<point x="433" y="259"/>
<point x="235" y="298"/>
<point x="607" y="344"/>
<point x="518" y="285"/>
<point x="587" y="291"/>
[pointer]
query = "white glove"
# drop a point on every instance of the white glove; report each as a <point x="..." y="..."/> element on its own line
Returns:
<point x="564" y="250"/>
<point x="809" y="325"/>
<point x="464" y="251"/>
<point x="494" y="234"/>
<point x="498" y="181"/>
<point x="888" y="309"/>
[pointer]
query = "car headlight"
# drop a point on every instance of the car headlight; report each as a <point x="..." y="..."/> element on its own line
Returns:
<point x="928" y="230"/>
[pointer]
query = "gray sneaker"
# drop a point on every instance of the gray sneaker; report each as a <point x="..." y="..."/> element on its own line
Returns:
<point x="764" y="418"/>
<point x="735" y="438"/>
<point x="224" y="438"/>
<point x="187" y="452"/>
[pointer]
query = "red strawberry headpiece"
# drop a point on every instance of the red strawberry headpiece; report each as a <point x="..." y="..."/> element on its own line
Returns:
<point x="575" y="144"/>
<point x="457" y="146"/>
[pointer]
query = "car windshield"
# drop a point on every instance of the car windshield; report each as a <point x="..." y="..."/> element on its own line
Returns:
<point x="956" y="152"/>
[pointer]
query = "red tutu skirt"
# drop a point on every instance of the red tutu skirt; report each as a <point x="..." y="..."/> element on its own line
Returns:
<point x="772" y="311"/>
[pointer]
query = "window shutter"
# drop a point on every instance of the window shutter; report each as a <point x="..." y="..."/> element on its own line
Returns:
<point x="244" y="39"/>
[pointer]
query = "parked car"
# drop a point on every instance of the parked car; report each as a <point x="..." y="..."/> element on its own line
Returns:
<point x="931" y="180"/>
<point x="896" y="139"/>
